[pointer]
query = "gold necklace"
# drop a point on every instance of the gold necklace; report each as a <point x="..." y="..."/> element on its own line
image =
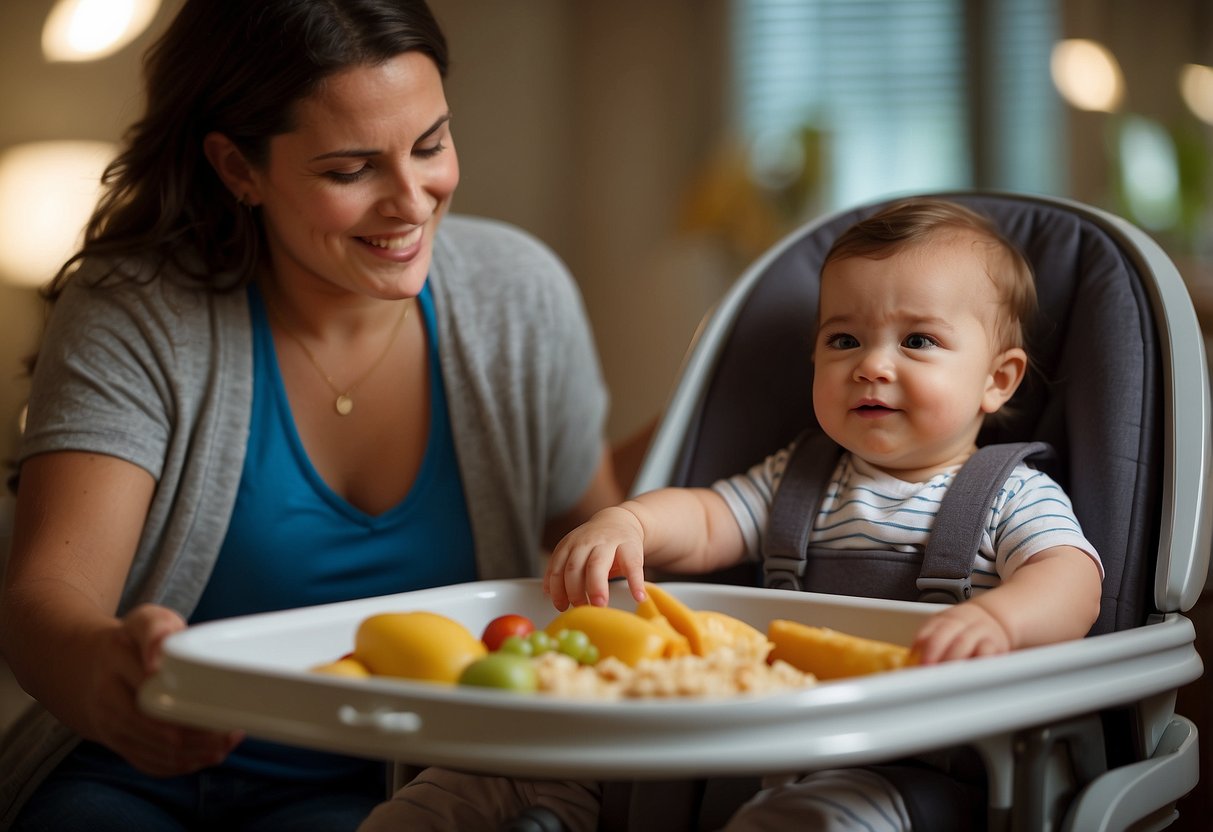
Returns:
<point x="344" y="404"/>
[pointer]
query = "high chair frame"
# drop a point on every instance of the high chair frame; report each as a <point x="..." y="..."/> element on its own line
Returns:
<point x="1073" y="773"/>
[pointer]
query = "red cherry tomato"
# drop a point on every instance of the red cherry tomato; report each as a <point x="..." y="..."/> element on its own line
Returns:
<point x="504" y="626"/>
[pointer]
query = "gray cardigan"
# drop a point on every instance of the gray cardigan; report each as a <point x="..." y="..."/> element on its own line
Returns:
<point x="160" y="374"/>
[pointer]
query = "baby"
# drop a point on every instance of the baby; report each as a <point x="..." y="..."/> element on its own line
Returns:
<point x="920" y="338"/>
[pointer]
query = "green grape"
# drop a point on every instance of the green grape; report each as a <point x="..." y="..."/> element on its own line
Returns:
<point x="572" y="643"/>
<point x="541" y="643"/>
<point x="517" y="645"/>
<point x="589" y="655"/>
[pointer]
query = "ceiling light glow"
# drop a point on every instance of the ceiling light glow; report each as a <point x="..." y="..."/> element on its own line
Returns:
<point x="1196" y="87"/>
<point x="1087" y="75"/>
<point x="47" y="193"/>
<point x="86" y="30"/>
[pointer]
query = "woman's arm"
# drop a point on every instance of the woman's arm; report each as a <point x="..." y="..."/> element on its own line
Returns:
<point x="76" y="527"/>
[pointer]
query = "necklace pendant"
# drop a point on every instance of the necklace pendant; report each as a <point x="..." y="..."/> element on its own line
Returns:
<point x="344" y="404"/>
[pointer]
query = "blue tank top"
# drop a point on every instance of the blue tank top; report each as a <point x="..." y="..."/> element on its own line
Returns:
<point x="293" y="542"/>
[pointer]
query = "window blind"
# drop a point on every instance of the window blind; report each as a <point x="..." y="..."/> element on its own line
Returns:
<point x="888" y="85"/>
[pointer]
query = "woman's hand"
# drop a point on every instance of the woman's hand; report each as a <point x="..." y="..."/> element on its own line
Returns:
<point x="609" y="545"/>
<point x="122" y="658"/>
<point x="76" y="526"/>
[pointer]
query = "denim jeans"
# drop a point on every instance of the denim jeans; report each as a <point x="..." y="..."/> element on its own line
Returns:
<point x="94" y="790"/>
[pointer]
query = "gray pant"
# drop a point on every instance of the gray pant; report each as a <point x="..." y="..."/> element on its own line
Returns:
<point x="440" y="800"/>
<point x="835" y="800"/>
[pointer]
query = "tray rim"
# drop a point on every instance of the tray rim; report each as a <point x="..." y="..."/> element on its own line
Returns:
<point x="843" y="722"/>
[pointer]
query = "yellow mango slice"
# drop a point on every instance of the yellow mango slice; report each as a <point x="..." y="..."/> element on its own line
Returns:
<point x="676" y="643"/>
<point x="416" y="645"/>
<point x="619" y="633"/>
<point x="681" y="617"/>
<point x="829" y="654"/>
<point x="345" y="666"/>
<point x="719" y="630"/>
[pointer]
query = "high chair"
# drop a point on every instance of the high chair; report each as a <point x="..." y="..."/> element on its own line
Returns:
<point x="1120" y="391"/>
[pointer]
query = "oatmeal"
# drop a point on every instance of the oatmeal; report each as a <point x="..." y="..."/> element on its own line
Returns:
<point x="723" y="672"/>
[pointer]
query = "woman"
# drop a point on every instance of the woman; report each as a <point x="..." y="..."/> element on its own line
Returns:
<point x="271" y="380"/>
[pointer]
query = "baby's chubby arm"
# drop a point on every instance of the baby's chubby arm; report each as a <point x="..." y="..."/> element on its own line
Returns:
<point x="687" y="530"/>
<point x="1053" y="597"/>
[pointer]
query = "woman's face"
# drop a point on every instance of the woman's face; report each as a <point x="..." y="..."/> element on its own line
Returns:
<point x="353" y="196"/>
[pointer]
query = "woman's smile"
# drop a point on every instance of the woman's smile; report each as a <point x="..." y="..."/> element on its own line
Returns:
<point x="396" y="247"/>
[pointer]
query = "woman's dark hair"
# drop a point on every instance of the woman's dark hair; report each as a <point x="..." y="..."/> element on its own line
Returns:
<point x="237" y="67"/>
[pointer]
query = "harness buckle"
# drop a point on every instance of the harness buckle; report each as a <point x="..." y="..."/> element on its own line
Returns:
<point x="783" y="573"/>
<point x="944" y="590"/>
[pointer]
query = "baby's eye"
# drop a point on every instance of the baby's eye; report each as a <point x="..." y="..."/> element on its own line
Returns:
<point x="842" y="341"/>
<point x="919" y="341"/>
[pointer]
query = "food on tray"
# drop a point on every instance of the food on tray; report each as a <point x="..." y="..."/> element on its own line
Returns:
<point x="663" y="649"/>
<point x="572" y="643"/>
<point x="829" y="654"/>
<point x="345" y="666"/>
<point x="705" y="631"/>
<point x="722" y="673"/>
<point x="617" y="633"/>
<point x="504" y="626"/>
<point x="665" y="610"/>
<point x="508" y="671"/>
<point x="416" y="645"/>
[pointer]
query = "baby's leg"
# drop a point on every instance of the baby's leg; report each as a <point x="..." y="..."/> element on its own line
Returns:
<point x="831" y="801"/>
<point x="439" y="800"/>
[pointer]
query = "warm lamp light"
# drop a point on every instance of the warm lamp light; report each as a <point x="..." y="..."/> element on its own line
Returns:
<point x="1196" y="86"/>
<point x="47" y="193"/>
<point x="86" y="30"/>
<point x="1087" y="75"/>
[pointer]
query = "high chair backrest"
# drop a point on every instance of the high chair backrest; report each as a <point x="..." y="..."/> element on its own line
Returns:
<point x="1100" y="391"/>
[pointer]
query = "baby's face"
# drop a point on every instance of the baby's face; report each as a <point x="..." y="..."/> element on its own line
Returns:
<point x="905" y="361"/>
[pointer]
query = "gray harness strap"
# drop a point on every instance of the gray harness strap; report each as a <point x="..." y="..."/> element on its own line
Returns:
<point x="941" y="574"/>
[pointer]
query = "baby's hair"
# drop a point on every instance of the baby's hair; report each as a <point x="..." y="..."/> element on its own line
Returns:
<point x="915" y="221"/>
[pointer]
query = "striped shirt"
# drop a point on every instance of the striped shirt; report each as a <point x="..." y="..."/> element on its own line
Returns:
<point x="865" y="508"/>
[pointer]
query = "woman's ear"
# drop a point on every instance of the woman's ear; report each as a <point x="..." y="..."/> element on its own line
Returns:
<point x="1006" y="373"/>
<point x="233" y="169"/>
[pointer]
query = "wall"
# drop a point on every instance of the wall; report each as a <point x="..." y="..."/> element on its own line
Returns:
<point x="49" y="101"/>
<point x="584" y="122"/>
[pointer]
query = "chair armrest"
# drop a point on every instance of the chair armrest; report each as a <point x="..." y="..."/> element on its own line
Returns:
<point x="1124" y="795"/>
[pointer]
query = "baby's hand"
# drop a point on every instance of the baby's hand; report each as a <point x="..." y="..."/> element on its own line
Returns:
<point x="610" y="544"/>
<point x="961" y="632"/>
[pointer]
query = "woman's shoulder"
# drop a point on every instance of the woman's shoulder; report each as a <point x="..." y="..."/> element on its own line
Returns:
<point x="135" y="294"/>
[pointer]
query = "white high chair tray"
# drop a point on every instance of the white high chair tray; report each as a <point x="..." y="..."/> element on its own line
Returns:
<point x="251" y="673"/>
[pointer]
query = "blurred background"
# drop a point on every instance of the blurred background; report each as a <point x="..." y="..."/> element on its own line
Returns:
<point x="660" y="145"/>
